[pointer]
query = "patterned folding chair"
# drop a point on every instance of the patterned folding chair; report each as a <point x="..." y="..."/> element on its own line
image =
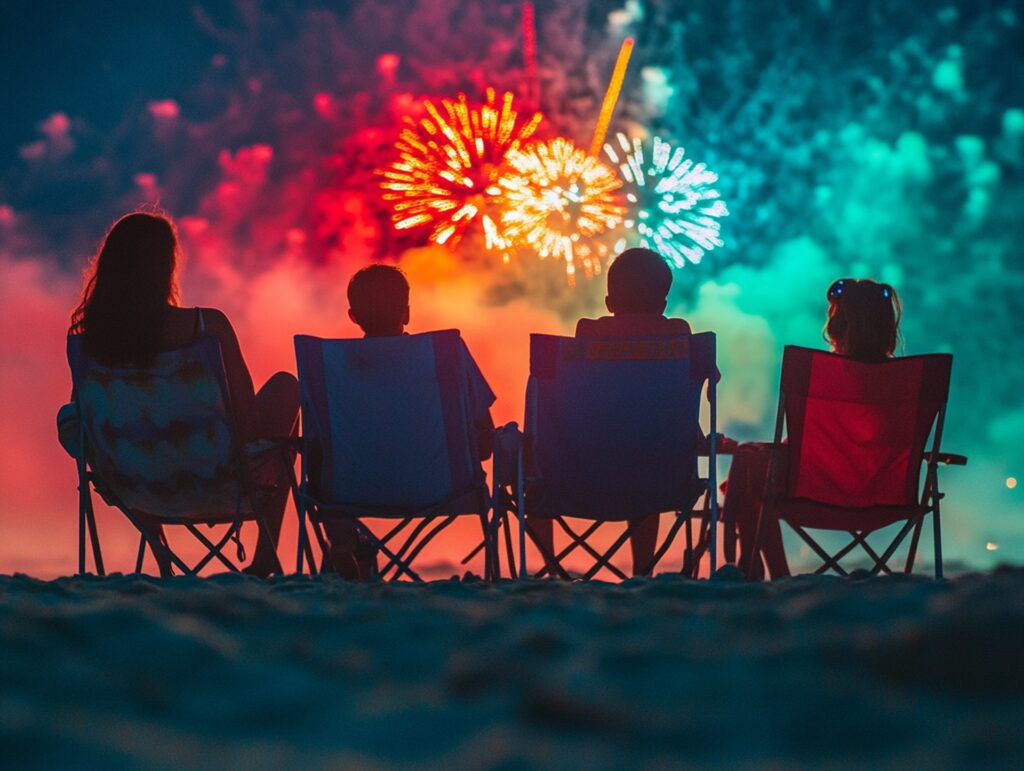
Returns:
<point x="612" y="435"/>
<point x="160" y="441"/>
<point x="388" y="433"/>
<point x="857" y="436"/>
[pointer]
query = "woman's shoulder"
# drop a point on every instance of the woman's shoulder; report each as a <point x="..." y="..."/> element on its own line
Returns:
<point x="213" y="320"/>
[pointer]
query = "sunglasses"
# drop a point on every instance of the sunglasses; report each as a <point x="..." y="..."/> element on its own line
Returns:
<point x="835" y="292"/>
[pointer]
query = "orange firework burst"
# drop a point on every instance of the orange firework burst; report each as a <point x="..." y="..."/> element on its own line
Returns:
<point x="448" y="165"/>
<point x="556" y="199"/>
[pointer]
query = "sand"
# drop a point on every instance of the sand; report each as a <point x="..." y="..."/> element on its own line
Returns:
<point x="229" y="671"/>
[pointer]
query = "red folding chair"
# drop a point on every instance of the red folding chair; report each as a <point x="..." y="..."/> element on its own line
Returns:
<point x="857" y="434"/>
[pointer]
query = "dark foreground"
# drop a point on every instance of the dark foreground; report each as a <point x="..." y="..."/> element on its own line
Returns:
<point x="316" y="673"/>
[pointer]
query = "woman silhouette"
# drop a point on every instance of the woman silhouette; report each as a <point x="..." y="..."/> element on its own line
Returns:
<point x="129" y="313"/>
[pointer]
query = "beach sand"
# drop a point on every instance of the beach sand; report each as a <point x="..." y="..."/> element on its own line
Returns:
<point x="230" y="671"/>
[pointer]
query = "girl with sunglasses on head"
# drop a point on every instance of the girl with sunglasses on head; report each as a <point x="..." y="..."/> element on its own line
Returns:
<point x="863" y="324"/>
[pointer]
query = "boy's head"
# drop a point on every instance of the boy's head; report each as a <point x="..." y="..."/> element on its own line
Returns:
<point x="638" y="282"/>
<point x="378" y="300"/>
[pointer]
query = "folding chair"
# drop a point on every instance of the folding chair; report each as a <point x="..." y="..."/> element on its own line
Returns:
<point x="857" y="434"/>
<point x="388" y="433"/>
<point x="612" y="435"/>
<point x="160" y="441"/>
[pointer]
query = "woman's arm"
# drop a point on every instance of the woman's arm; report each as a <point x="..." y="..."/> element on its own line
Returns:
<point x="243" y="395"/>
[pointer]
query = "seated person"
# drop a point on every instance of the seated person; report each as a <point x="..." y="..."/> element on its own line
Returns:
<point x="378" y="297"/>
<point x="863" y="324"/>
<point x="639" y="281"/>
<point x="130" y="313"/>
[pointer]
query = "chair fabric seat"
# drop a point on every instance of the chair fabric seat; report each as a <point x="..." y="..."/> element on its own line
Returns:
<point x="803" y="512"/>
<point x="474" y="500"/>
<point x="547" y="501"/>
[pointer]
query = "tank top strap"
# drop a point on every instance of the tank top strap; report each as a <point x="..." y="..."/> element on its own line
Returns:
<point x="200" y="326"/>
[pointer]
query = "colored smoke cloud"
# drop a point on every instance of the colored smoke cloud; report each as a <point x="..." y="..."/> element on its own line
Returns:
<point x="863" y="150"/>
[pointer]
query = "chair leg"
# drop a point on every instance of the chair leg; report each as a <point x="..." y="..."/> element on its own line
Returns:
<point x="666" y="544"/>
<point x="81" y="534"/>
<point x="513" y="571"/>
<point x="688" y="561"/>
<point x="94" y="537"/>
<point x="141" y="555"/>
<point x="302" y="540"/>
<point x="938" y="539"/>
<point x="912" y="552"/>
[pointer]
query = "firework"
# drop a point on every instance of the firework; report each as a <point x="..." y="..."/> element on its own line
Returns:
<point x="611" y="96"/>
<point x="556" y="198"/>
<point x="673" y="205"/>
<point x="448" y="165"/>
<point x="530" y="54"/>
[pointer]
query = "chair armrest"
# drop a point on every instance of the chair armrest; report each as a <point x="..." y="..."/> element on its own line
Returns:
<point x="946" y="458"/>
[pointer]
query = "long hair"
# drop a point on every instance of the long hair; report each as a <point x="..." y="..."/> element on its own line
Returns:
<point x="128" y="288"/>
<point x="863" y="319"/>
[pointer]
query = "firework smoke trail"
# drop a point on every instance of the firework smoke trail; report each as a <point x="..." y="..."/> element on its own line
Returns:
<point x="530" y="55"/>
<point x="556" y="199"/>
<point x="611" y="96"/>
<point x="449" y="163"/>
<point x="674" y="207"/>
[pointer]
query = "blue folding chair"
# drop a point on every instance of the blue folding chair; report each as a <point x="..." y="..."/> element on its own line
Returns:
<point x="160" y="440"/>
<point x="612" y="435"/>
<point x="388" y="433"/>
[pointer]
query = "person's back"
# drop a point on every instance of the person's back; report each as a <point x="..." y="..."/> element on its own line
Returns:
<point x="378" y="297"/>
<point x="639" y="281"/>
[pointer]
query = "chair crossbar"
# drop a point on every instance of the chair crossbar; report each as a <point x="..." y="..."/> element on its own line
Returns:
<point x="605" y="559"/>
<point x="578" y="540"/>
<point x="214" y="549"/>
<point x="880" y="562"/>
<point x="400" y="557"/>
<point x="426" y="539"/>
<point x="400" y="565"/>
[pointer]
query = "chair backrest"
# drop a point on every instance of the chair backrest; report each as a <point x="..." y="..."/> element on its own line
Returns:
<point x="390" y="417"/>
<point x="160" y="438"/>
<point x="612" y="424"/>
<point x="857" y="430"/>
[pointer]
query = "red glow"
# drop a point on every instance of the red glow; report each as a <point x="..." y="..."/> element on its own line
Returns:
<point x="387" y="66"/>
<point x="324" y="105"/>
<point x="166" y="109"/>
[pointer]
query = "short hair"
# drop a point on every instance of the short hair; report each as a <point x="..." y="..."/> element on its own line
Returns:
<point x="863" y="319"/>
<point x="639" y="281"/>
<point x="378" y="296"/>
